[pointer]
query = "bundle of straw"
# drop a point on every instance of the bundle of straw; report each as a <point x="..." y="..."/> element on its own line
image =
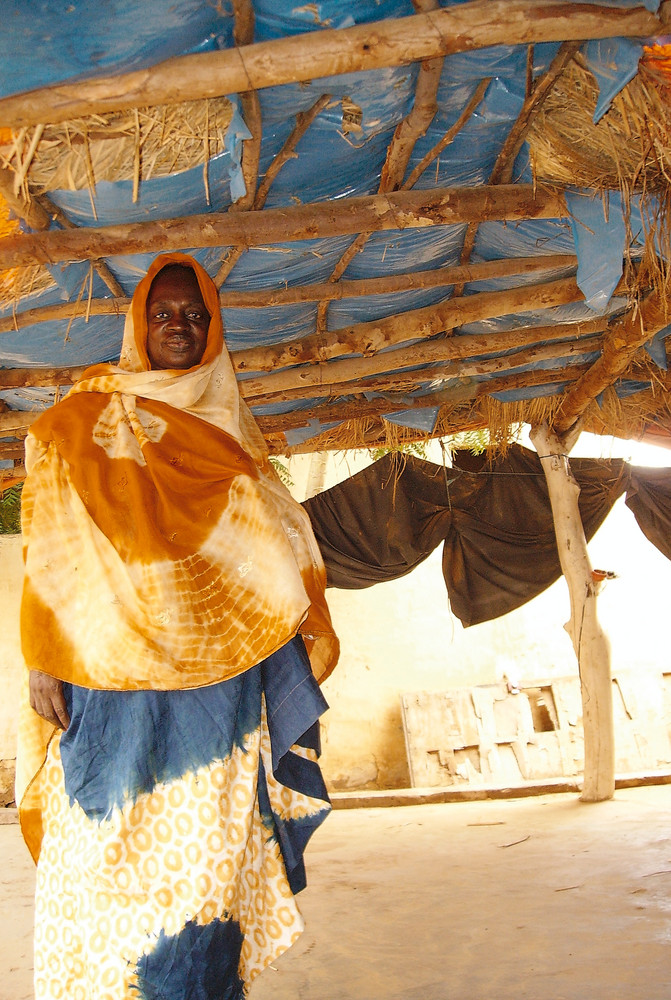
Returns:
<point x="628" y="149"/>
<point x="19" y="281"/>
<point x="131" y="145"/>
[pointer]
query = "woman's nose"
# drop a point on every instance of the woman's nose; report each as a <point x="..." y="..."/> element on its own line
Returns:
<point x="177" y="321"/>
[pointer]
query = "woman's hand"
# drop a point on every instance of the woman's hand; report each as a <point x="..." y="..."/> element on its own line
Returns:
<point x="46" y="698"/>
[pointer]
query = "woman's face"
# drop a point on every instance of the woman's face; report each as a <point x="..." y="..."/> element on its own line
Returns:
<point x="177" y="320"/>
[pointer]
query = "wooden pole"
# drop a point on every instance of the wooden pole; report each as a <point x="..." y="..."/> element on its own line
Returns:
<point x="392" y="42"/>
<point x="366" y="337"/>
<point x="620" y="345"/>
<point x="397" y="210"/>
<point x="590" y="643"/>
<point x="398" y="156"/>
<point x="466" y="392"/>
<point x="18" y="420"/>
<point x="260" y="298"/>
<point x="404" y="381"/>
<point x="303" y="121"/>
<point x="370" y="339"/>
<point x="243" y="34"/>
<point x="502" y="170"/>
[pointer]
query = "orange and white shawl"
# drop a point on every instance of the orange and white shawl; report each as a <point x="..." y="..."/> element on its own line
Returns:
<point x="161" y="549"/>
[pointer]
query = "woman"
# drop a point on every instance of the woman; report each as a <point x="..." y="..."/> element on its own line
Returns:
<point x="167" y="777"/>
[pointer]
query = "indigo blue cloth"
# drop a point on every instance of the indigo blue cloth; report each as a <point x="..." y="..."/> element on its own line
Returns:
<point x="198" y="963"/>
<point x="121" y="744"/>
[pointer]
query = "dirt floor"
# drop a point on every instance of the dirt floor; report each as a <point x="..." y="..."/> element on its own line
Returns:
<point x="541" y="898"/>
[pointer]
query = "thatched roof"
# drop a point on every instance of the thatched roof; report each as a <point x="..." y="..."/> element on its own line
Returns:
<point x="422" y="220"/>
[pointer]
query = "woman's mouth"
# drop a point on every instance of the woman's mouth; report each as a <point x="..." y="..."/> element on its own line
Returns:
<point x="179" y="342"/>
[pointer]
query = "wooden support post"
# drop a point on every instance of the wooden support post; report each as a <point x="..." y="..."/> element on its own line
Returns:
<point x="590" y="643"/>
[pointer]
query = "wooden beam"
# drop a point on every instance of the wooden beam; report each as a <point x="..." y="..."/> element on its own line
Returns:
<point x="356" y="408"/>
<point x="243" y="34"/>
<point x="398" y="155"/>
<point x="251" y="149"/>
<point x="503" y="167"/>
<point x="369" y="339"/>
<point x="373" y="338"/>
<point x="620" y="345"/>
<point x="303" y="121"/>
<point x="39" y="213"/>
<point x="392" y="42"/>
<point x="11" y="449"/>
<point x="413" y="126"/>
<point x="18" y="420"/>
<point x="394" y="211"/>
<point x="364" y="337"/>
<point x="407" y="380"/>
<point x="64" y="311"/>
<point x="450" y="135"/>
<point x="260" y="298"/>
<point x="29" y="210"/>
<point x="21" y="378"/>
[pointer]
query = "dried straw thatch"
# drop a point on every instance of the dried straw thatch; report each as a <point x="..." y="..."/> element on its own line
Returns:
<point x="630" y="146"/>
<point x="134" y="145"/>
<point x="18" y="282"/>
<point x="628" y="149"/>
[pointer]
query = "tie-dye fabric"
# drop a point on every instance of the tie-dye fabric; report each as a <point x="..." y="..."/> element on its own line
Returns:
<point x="165" y="563"/>
<point x="175" y="824"/>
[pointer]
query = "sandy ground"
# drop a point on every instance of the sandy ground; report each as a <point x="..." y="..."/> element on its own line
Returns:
<point x="523" y="899"/>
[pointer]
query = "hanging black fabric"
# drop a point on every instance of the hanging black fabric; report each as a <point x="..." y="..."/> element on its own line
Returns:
<point x="494" y="518"/>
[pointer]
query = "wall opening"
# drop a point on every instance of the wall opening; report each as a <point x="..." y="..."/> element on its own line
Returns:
<point x="543" y="709"/>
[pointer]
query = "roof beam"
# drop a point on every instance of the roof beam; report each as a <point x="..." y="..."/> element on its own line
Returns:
<point x="620" y="345"/>
<point x="503" y="168"/>
<point x="39" y="213"/>
<point x="243" y="34"/>
<point x="405" y="381"/>
<point x="373" y="338"/>
<point x="23" y="378"/>
<point x="304" y="120"/>
<point x="368" y="339"/>
<point x="399" y="151"/>
<point x="17" y="420"/>
<point x="361" y="407"/>
<point x="394" y="211"/>
<point x="259" y="298"/>
<point x="392" y="42"/>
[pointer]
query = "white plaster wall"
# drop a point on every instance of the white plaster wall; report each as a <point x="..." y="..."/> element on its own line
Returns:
<point x="11" y="576"/>
<point x="401" y="636"/>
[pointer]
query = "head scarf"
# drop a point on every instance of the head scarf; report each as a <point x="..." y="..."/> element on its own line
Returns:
<point x="161" y="550"/>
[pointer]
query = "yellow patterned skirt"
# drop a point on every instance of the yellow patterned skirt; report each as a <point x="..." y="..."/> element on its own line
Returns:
<point x="175" y="824"/>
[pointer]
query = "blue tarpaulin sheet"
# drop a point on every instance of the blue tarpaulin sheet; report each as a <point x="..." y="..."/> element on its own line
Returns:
<point x="340" y="155"/>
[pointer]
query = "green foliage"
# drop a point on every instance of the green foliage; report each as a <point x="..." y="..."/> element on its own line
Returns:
<point x="282" y="471"/>
<point x="416" y="448"/>
<point x="474" y="441"/>
<point x="10" y="510"/>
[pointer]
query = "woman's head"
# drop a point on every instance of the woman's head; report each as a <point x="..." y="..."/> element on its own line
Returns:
<point x="174" y="322"/>
<point x="177" y="319"/>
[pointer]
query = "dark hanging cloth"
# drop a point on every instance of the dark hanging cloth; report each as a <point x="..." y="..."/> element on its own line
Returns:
<point x="494" y="518"/>
<point x="649" y="499"/>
